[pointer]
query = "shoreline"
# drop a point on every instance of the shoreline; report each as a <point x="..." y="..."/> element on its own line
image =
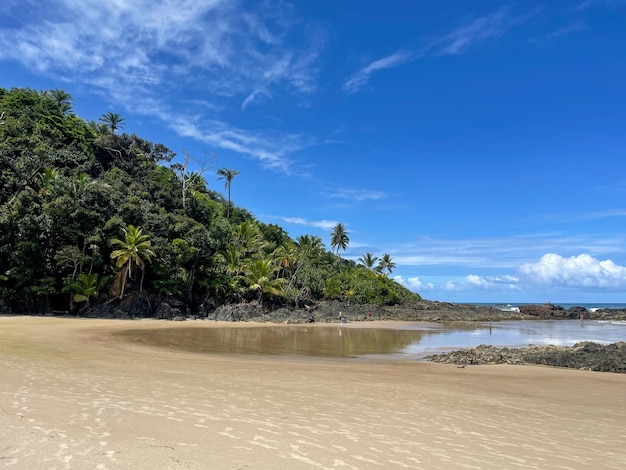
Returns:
<point x="75" y="396"/>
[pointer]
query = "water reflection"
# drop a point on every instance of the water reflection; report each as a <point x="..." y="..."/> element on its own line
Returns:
<point x="354" y="341"/>
<point x="291" y="340"/>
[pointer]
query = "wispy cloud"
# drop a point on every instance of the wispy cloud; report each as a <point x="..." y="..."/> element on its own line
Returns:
<point x="272" y="151"/>
<point x="255" y="96"/>
<point x="456" y="42"/>
<point x="322" y="224"/>
<point x="356" y="194"/>
<point x="604" y="214"/>
<point x="479" y="30"/>
<point x="142" y="55"/>
<point x="570" y="28"/>
<point x="360" y="78"/>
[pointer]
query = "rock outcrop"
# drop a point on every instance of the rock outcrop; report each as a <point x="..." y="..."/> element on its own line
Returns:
<point x="585" y="355"/>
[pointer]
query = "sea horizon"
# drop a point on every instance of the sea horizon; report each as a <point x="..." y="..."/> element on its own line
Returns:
<point x="514" y="306"/>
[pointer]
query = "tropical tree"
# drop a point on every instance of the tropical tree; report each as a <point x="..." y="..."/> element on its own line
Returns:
<point x="261" y="277"/>
<point x="248" y="239"/>
<point x="86" y="286"/>
<point x="386" y="264"/>
<point x="368" y="260"/>
<point x="48" y="180"/>
<point x="62" y="99"/>
<point x="191" y="179"/>
<point x="99" y="128"/>
<point x="309" y="245"/>
<point x="227" y="175"/>
<point x="134" y="250"/>
<point x="113" y="121"/>
<point x="339" y="238"/>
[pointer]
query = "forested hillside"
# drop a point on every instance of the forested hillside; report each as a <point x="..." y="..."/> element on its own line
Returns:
<point x="89" y="215"/>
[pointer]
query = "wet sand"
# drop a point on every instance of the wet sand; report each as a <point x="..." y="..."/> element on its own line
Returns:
<point x="73" y="396"/>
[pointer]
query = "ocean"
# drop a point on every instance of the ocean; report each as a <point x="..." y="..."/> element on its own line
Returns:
<point x="514" y="307"/>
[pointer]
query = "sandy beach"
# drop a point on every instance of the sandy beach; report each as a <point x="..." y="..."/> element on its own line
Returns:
<point x="75" y="396"/>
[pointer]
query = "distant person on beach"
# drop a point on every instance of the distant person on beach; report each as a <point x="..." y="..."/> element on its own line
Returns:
<point x="340" y="317"/>
<point x="369" y="316"/>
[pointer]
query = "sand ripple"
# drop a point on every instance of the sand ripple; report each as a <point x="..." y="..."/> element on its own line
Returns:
<point x="72" y="400"/>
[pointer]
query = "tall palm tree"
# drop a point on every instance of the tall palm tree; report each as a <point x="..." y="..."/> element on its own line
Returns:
<point x="113" y="121"/>
<point x="368" y="260"/>
<point x="386" y="264"/>
<point x="133" y="251"/>
<point x="339" y="238"/>
<point x="227" y="175"/>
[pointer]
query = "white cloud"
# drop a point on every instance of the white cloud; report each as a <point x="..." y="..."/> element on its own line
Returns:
<point x="604" y="214"/>
<point x="256" y="96"/>
<point x="576" y="271"/>
<point x="414" y="283"/>
<point x="356" y="194"/>
<point x="323" y="224"/>
<point x="456" y="42"/>
<point x="271" y="150"/>
<point x="360" y="78"/>
<point x="488" y="283"/>
<point x="140" y="54"/>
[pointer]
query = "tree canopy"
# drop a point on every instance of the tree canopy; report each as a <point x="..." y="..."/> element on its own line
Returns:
<point x="82" y="204"/>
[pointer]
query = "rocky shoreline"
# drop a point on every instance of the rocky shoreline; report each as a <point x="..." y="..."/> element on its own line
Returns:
<point x="327" y="311"/>
<point x="586" y="355"/>
<point x="144" y="306"/>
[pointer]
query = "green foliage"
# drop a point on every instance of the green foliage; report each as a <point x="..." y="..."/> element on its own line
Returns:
<point x="339" y="238"/>
<point x="133" y="251"/>
<point x="362" y="286"/>
<point x="69" y="188"/>
<point x="87" y="286"/>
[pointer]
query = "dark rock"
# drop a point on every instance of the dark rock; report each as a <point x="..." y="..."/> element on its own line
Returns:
<point x="543" y="311"/>
<point x="585" y="355"/>
<point x="166" y="312"/>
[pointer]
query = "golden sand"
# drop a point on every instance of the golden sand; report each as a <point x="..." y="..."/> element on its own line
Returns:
<point x="73" y="396"/>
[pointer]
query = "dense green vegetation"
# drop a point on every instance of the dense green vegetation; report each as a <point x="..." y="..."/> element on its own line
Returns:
<point x="89" y="215"/>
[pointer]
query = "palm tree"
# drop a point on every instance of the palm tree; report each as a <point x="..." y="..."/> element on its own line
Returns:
<point x="99" y="128"/>
<point x="248" y="239"/>
<point x="113" y="121"/>
<point x="368" y="260"/>
<point x="309" y="245"/>
<point x="386" y="263"/>
<point x="87" y="286"/>
<point x="48" y="181"/>
<point x="227" y="175"/>
<point x="339" y="238"/>
<point x="134" y="251"/>
<point x="62" y="99"/>
<point x="261" y="276"/>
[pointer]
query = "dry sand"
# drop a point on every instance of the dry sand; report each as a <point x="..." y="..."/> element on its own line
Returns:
<point x="72" y="396"/>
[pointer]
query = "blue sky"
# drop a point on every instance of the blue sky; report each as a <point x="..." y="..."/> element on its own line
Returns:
<point x="481" y="144"/>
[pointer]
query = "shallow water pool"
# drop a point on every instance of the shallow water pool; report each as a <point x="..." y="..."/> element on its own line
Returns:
<point x="354" y="340"/>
